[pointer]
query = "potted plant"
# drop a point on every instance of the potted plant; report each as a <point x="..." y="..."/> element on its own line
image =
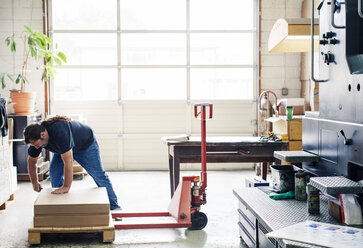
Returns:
<point x="37" y="46"/>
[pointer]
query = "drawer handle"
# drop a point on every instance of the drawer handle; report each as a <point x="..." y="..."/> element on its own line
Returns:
<point x="247" y="219"/>
<point x="247" y="233"/>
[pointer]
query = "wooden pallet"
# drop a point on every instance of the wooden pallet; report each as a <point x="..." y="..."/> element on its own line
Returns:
<point x="25" y="177"/>
<point x="3" y="206"/>
<point x="79" y="175"/>
<point x="34" y="233"/>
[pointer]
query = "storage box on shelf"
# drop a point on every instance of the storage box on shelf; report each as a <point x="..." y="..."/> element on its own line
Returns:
<point x="5" y="183"/>
<point x="8" y="176"/>
<point x="20" y="149"/>
<point x="290" y="129"/>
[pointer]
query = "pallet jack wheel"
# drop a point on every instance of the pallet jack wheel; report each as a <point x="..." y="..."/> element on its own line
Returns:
<point x="199" y="220"/>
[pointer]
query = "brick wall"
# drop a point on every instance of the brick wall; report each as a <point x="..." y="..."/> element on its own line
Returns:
<point x="14" y="14"/>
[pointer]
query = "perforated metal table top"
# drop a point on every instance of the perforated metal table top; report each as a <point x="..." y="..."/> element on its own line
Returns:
<point x="336" y="185"/>
<point x="296" y="156"/>
<point x="276" y="214"/>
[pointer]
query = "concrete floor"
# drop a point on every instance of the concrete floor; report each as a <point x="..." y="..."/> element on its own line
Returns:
<point x="137" y="191"/>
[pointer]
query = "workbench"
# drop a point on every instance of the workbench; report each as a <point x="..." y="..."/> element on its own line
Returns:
<point x="224" y="149"/>
<point x="258" y="215"/>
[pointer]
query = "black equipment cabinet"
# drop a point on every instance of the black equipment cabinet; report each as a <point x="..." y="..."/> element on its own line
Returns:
<point x="20" y="149"/>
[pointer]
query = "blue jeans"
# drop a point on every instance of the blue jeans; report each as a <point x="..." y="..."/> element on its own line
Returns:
<point x="90" y="160"/>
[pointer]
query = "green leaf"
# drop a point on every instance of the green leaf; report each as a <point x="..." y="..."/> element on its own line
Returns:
<point x="33" y="52"/>
<point x="13" y="47"/>
<point x="46" y="38"/>
<point x="10" y="77"/>
<point x="7" y="41"/>
<point x="62" y="56"/>
<point x="51" y="72"/>
<point x="40" y="42"/>
<point x="2" y="80"/>
<point x="17" y="80"/>
<point x="28" y="29"/>
<point x="58" y="61"/>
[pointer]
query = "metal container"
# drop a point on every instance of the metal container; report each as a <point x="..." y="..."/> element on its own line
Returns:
<point x="283" y="177"/>
<point x="300" y="186"/>
<point x="313" y="199"/>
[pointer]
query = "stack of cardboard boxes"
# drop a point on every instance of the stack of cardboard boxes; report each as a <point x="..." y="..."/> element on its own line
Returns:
<point x="80" y="207"/>
<point x="8" y="179"/>
<point x="290" y="129"/>
<point x="4" y="172"/>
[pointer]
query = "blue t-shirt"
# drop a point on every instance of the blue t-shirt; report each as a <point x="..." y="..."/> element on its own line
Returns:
<point x="65" y="135"/>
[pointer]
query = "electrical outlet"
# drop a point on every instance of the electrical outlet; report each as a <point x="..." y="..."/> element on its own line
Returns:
<point x="284" y="91"/>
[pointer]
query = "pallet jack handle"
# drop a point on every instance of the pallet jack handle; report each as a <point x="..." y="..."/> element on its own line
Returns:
<point x="202" y="114"/>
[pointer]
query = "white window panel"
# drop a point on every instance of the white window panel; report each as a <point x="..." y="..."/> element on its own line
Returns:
<point x="153" y="15"/>
<point x="85" y="84"/>
<point x="84" y="14"/>
<point x="88" y="49"/>
<point x="156" y="117"/>
<point x="153" y="84"/>
<point x="221" y="49"/>
<point x="153" y="49"/>
<point x="221" y="83"/>
<point x="162" y="51"/>
<point x="221" y="14"/>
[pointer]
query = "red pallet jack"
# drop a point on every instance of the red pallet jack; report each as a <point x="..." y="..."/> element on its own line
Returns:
<point x="183" y="210"/>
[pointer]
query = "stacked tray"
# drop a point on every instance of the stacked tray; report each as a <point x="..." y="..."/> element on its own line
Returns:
<point x="80" y="207"/>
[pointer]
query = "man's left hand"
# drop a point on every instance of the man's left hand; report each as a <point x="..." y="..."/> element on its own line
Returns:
<point x="61" y="190"/>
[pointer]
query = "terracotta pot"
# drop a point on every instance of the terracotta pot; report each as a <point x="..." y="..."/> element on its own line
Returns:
<point x="23" y="102"/>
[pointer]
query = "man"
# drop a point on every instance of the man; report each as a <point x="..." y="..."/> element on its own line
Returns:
<point x="68" y="140"/>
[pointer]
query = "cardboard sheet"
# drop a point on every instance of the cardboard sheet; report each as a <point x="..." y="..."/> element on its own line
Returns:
<point x="322" y="234"/>
<point x="78" y="201"/>
<point x="71" y="220"/>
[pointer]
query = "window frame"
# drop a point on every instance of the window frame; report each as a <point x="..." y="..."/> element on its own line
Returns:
<point x="187" y="66"/>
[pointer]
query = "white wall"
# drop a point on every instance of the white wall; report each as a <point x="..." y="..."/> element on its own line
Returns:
<point x="14" y="14"/>
<point x="279" y="70"/>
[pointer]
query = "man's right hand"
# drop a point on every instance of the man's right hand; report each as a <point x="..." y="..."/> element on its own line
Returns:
<point x="37" y="187"/>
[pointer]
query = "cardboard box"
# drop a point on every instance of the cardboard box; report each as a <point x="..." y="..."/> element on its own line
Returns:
<point x="295" y="145"/>
<point x="255" y="182"/>
<point x="292" y="128"/>
<point x="291" y="102"/>
<point x="13" y="179"/>
<point x="71" y="220"/>
<point x="297" y="110"/>
<point x="81" y="201"/>
<point x="334" y="209"/>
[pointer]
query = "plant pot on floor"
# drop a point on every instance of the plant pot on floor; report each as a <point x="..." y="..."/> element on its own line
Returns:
<point x="23" y="102"/>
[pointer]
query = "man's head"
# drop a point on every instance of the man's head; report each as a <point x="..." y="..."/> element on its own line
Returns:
<point x="36" y="135"/>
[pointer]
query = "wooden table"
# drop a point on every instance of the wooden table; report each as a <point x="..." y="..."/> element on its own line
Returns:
<point x="224" y="149"/>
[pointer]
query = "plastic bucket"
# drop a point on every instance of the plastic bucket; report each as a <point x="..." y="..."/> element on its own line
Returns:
<point x="283" y="177"/>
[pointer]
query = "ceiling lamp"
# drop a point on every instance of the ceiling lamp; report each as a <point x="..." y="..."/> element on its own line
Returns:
<point x="293" y="35"/>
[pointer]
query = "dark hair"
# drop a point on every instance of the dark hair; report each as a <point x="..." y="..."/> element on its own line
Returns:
<point x="32" y="132"/>
<point x="50" y="121"/>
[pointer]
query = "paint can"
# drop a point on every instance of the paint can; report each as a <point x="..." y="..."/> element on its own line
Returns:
<point x="300" y="186"/>
<point x="313" y="199"/>
<point x="290" y="111"/>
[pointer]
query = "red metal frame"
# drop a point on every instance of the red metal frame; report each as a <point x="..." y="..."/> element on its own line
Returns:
<point x="182" y="204"/>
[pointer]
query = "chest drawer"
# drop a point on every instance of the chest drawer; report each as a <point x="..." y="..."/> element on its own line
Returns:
<point x="247" y="225"/>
